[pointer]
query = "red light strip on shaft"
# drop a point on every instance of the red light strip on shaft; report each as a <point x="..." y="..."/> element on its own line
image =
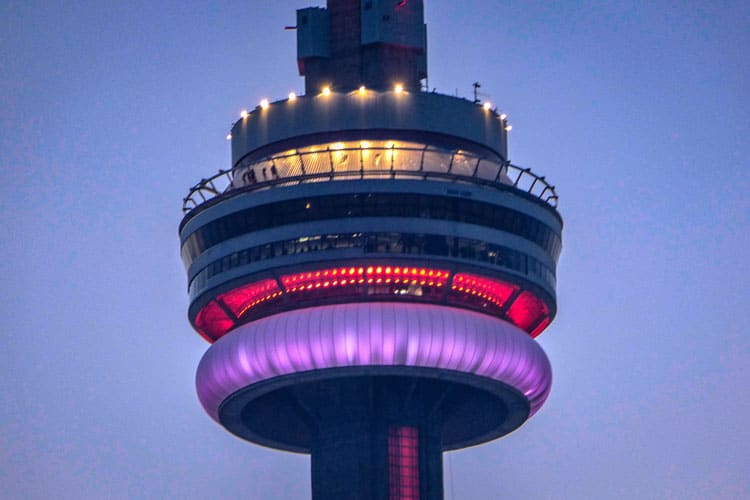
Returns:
<point x="403" y="463"/>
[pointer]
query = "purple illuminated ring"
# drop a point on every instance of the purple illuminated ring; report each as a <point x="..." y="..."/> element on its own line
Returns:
<point x="373" y="335"/>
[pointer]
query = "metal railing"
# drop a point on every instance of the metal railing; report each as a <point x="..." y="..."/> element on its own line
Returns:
<point x="330" y="164"/>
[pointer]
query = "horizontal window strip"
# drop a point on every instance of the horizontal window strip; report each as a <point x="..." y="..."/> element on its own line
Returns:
<point x="370" y="205"/>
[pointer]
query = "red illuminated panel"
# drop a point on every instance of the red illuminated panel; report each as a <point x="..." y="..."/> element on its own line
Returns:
<point x="539" y="329"/>
<point x="494" y="291"/>
<point x="527" y="311"/>
<point x="403" y="463"/>
<point x="240" y="300"/>
<point x="212" y="322"/>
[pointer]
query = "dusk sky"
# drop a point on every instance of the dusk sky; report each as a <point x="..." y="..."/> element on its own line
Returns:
<point x="638" y="112"/>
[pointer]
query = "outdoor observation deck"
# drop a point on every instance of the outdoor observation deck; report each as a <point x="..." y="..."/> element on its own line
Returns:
<point x="368" y="160"/>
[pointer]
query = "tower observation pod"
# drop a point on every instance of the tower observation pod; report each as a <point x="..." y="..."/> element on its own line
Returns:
<point x="372" y="270"/>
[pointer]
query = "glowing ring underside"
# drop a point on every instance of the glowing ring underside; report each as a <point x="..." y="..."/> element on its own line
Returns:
<point x="373" y="334"/>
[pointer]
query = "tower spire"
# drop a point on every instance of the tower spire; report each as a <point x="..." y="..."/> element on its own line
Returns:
<point x="350" y="43"/>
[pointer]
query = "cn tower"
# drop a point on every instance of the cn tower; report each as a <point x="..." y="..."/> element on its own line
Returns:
<point x="371" y="270"/>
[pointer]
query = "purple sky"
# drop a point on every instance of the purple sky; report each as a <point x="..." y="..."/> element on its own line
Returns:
<point x="637" y="111"/>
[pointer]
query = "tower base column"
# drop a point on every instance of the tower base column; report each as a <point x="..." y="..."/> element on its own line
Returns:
<point x="375" y="440"/>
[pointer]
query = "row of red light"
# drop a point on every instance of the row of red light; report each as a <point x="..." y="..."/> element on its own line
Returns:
<point x="259" y="301"/>
<point x="364" y="275"/>
<point x="212" y="322"/>
<point x="493" y="291"/>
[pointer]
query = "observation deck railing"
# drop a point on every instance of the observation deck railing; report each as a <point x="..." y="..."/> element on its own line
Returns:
<point x="330" y="163"/>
